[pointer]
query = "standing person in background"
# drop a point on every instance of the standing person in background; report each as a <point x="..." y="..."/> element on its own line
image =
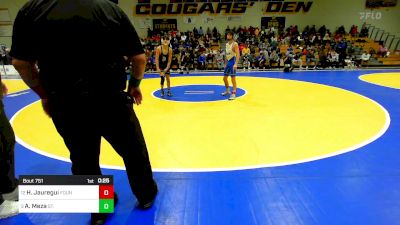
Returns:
<point x="9" y="184"/>
<point x="163" y="64"/>
<point x="185" y="57"/>
<point x="220" y="59"/>
<point x="232" y="56"/>
<point x="90" y="103"/>
<point x="245" y="57"/>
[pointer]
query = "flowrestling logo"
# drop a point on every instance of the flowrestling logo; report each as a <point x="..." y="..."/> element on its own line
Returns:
<point x="370" y="15"/>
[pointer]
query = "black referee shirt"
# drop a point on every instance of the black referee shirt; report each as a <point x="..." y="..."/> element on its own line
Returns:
<point x="79" y="44"/>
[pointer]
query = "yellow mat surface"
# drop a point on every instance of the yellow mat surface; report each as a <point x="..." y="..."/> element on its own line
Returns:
<point x="277" y="122"/>
<point x="391" y="80"/>
<point x="15" y="85"/>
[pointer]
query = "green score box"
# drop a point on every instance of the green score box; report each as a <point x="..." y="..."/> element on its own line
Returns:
<point x="106" y="205"/>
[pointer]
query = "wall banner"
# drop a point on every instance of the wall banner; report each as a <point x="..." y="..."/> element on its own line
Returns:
<point x="165" y="24"/>
<point x="276" y="22"/>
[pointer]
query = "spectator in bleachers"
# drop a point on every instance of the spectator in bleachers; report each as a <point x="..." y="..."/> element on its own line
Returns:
<point x="187" y="44"/>
<point x="337" y="37"/>
<point x="341" y="30"/>
<point x="183" y="37"/>
<point x="274" y="58"/>
<point x="185" y="61"/>
<point x="227" y="29"/>
<point x="195" y="32"/>
<point x="286" y="40"/>
<point x="252" y="39"/>
<point x="383" y="51"/>
<point x="253" y="60"/>
<point x="341" y="49"/>
<point x="304" y="50"/>
<point x="257" y="36"/>
<point x="210" y="59"/>
<point x="202" y="61"/>
<point x="306" y="31"/>
<point x="365" y="57"/>
<point x="300" y="40"/>
<point x="288" y="63"/>
<point x="191" y="60"/>
<point x="312" y="30"/>
<point x="293" y="31"/>
<point x="274" y="41"/>
<point x="326" y="39"/>
<point x="215" y="32"/>
<point x="195" y="57"/>
<point x="289" y="50"/>
<point x="208" y="32"/>
<point x="297" y="59"/>
<point x="220" y="60"/>
<point x="149" y="63"/>
<point x="350" y="63"/>
<point x="372" y="52"/>
<point x="173" y="33"/>
<point x="142" y="41"/>
<point x="350" y="50"/>
<point x="245" y="62"/>
<point x="149" y="32"/>
<point x="157" y="38"/>
<point x="207" y="41"/>
<point x="5" y="58"/>
<point x="333" y="58"/>
<point x="322" y="30"/>
<point x="202" y="48"/>
<point x="174" y="43"/>
<point x="245" y="50"/>
<point x="267" y="59"/>
<point x="260" y="61"/>
<point x="175" y="61"/>
<point x="323" y="59"/>
<point x="201" y="32"/>
<point x="313" y="39"/>
<point x="354" y="31"/>
<point x="263" y="45"/>
<point x="310" y="58"/>
<point x="364" y="32"/>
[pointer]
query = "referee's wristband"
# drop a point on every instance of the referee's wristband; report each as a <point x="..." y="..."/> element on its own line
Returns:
<point x="133" y="82"/>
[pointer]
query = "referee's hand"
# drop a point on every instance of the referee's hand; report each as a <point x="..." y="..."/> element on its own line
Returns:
<point x="45" y="105"/>
<point x="4" y="89"/>
<point x="136" y="95"/>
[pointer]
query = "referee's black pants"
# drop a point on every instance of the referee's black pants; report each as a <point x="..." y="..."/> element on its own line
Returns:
<point x="83" y="119"/>
<point x="8" y="182"/>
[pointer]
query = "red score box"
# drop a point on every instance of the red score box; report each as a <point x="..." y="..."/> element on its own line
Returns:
<point x="106" y="192"/>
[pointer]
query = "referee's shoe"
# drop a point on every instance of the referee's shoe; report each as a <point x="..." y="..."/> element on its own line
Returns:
<point x="100" y="218"/>
<point x="8" y="209"/>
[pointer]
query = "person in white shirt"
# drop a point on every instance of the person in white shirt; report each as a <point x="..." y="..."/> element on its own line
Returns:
<point x="365" y="58"/>
<point x="333" y="59"/>
<point x="183" y="37"/>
